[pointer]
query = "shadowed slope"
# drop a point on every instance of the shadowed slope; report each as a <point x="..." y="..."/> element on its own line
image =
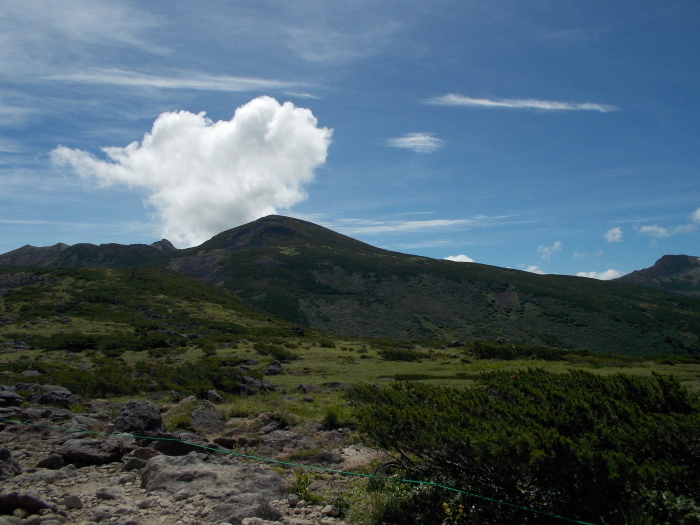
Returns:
<point x="86" y="255"/>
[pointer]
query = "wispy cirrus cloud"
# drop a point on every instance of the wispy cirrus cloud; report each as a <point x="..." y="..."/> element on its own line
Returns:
<point x="350" y="226"/>
<point x="299" y="94"/>
<point x="329" y="44"/>
<point x="358" y="226"/>
<point x="452" y="99"/>
<point x="184" y="80"/>
<point x="418" y="142"/>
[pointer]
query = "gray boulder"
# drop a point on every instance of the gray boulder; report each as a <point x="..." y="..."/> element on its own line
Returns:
<point x="47" y="476"/>
<point x="101" y="513"/>
<point x="207" y="419"/>
<point x="82" y="452"/>
<point x="133" y="464"/>
<point x="10" y="412"/>
<point x="29" y="501"/>
<point x="109" y="493"/>
<point x="137" y="417"/>
<point x="9" y="398"/>
<point x="172" y="444"/>
<point x="241" y="490"/>
<point x="214" y="396"/>
<point x="8" y="465"/>
<point x="52" y="462"/>
<point x="257" y="384"/>
<point x="59" y="396"/>
<point x="284" y="442"/>
<point x="275" y="368"/>
<point x="307" y="389"/>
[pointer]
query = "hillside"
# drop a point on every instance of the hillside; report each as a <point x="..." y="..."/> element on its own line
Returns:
<point x="312" y="276"/>
<point x="142" y="310"/>
<point x="676" y="274"/>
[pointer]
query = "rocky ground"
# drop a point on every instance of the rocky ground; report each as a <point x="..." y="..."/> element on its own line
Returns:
<point x="115" y="464"/>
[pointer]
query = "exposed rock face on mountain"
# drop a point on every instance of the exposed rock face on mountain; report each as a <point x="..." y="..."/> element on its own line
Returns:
<point x="676" y="274"/>
<point x="312" y="276"/>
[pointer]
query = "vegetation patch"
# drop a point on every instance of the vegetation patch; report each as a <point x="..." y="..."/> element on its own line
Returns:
<point x="112" y="378"/>
<point x="578" y="445"/>
<point x="281" y="354"/>
<point x="402" y="354"/>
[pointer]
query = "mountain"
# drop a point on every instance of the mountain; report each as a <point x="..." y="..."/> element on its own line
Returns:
<point x="86" y="255"/>
<point x="676" y="274"/>
<point x="312" y="276"/>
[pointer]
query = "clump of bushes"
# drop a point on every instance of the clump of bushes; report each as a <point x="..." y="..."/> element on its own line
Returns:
<point x="578" y="445"/>
<point x="115" y="378"/>
<point x="281" y="354"/>
<point x="402" y="354"/>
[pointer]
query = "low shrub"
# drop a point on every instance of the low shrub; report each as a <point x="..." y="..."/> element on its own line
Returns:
<point x="281" y="354"/>
<point x="578" y="445"/>
<point x="337" y="416"/>
<point x="402" y="354"/>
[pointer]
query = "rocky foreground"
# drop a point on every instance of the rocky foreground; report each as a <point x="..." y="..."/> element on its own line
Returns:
<point x="115" y="464"/>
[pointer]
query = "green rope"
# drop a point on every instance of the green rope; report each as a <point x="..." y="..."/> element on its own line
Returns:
<point x="308" y="467"/>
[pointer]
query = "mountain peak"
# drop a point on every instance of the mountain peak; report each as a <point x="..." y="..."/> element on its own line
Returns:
<point x="278" y="230"/>
<point x="677" y="274"/>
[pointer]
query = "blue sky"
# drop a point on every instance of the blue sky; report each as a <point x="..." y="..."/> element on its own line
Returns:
<point x="559" y="137"/>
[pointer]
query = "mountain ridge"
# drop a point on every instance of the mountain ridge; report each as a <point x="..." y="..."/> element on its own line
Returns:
<point x="312" y="276"/>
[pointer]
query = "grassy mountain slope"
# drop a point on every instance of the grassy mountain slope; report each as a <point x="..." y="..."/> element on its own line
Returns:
<point x="309" y="275"/>
<point x="116" y="310"/>
<point x="676" y="274"/>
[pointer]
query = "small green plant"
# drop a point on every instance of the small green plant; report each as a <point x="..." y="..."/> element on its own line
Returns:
<point x="337" y="416"/>
<point x="77" y="408"/>
<point x="638" y="517"/>
<point x="326" y="343"/>
<point x="342" y="505"/>
<point x="302" y="482"/>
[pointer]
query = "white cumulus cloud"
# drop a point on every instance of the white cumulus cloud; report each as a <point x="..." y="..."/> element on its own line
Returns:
<point x="204" y="177"/>
<point x="535" y="269"/>
<point x="459" y="258"/>
<point x="659" y="232"/>
<point x="654" y="231"/>
<point x="518" y="103"/>
<point x="603" y="276"/>
<point x="547" y="252"/>
<point x="696" y="216"/>
<point x="418" y="142"/>
<point x="613" y="235"/>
